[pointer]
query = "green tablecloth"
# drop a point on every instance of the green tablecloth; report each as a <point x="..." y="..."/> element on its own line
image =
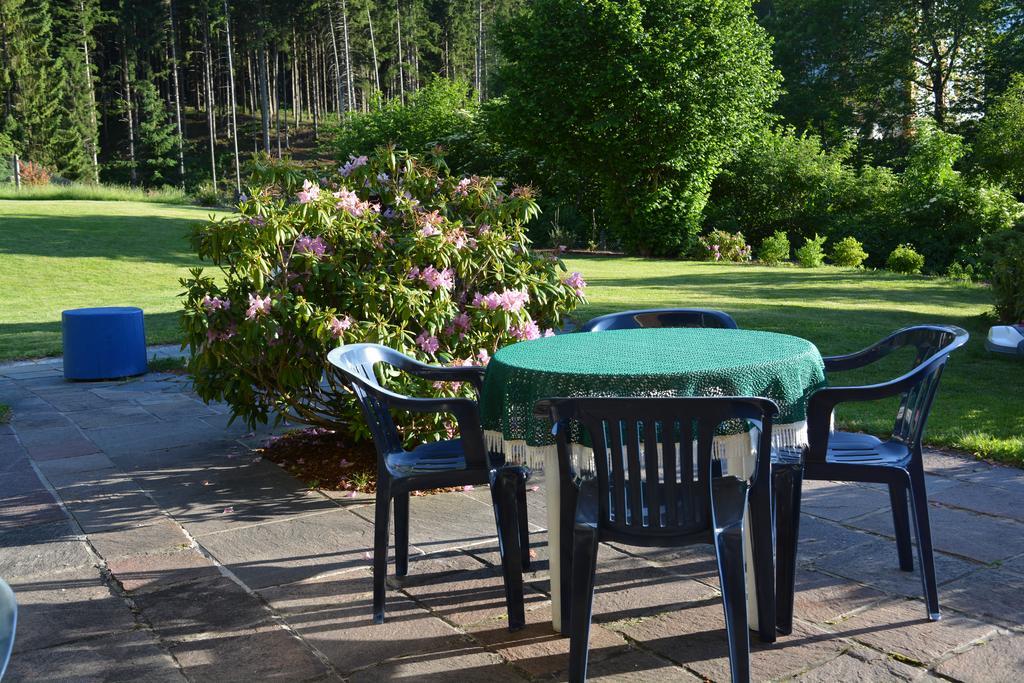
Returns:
<point x="646" y="362"/>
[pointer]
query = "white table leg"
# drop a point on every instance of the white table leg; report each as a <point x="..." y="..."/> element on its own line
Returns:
<point x="552" y="488"/>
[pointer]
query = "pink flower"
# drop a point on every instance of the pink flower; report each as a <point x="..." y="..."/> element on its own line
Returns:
<point x="429" y="231"/>
<point x="483" y="357"/>
<point x="413" y="273"/>
<point x="461" y="321"/>
<point x="349" y="201"/>
<point x="427" y="342"/>
<point x="549" y="332"/>
<point x="514" y="299"/>
<point x="483" y="228"/>
<point x="444" y="279"/>
<point x="457" y="237"/>
<point x="526" y="332"/>
<point x="308" y="193"/>
<point x="215" y="303"/>
<point x="354" y="162"/>
<point x="257" y="306"/>
<point x="488" y="302"/>
<point x="577" y="283"/>
<point x="311" y="245"/>
<point x="339" y="325"/>
<point x="463" y="187"/>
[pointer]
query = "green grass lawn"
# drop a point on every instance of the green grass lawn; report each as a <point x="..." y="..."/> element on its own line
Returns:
<point x="69" y="254"/>
<point x="66" y="254"/>
<point x="980" y="406"/>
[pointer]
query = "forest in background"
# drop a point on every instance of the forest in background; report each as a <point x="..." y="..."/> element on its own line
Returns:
<point x="173" y="92"/>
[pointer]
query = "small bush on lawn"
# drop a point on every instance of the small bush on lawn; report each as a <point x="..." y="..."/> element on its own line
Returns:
<point x="389" y="249"/>
<point x="848" y="252"/>
<point x="904" y="259"/>
<point x="719" y="245"/>
<point x="957" y="272"/>
<point x="812" y="253"/>
<point x="1006" y="254"/>
<point x="32" y="173"/>
<point x="774" y="249"/>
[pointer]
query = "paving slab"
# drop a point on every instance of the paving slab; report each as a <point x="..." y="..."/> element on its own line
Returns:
<point x="140" y="573"/>
<point x="825" y="599"/>
<point x="967" y="534"/>
<point x="981" y="498"/>
<point x="205" y="608"/>
<point x="108" y="415"/>
<point x="840" y="501"/>
<point x="66" y="607"/>
<point x="27" y="509"/>
<point x="75" y="465"/>
<point x="162" y="537"/>
<point x="295" y="549"/>
<point x="334" y="615"/>
<point x="633" y="666"/>
<point x="464" y="663"/>
<point x="999" y="659"/>
<point x="42" y="549"/>
<point x="901" y="627"/>
<point x="127" y="656"/>
<point x="862" y="664"/>
<point x="989" y="593"/>
<point x="259" y="654"/>
<point x="61" y="442"/>
<point x="695" y="638"/>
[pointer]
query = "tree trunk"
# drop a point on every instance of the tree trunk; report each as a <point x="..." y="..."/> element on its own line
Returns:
<point x="210" y="120"/>
<point x="350" y="86"/>
<point x="133" y="171"/>
<point x="401" y="66"/>
<point x="94" y="132"/>
<point x="373" y="46"/>
<point x="264" y="95"/>
<point x="231" y="95"/>
<point x="177" y="93"/>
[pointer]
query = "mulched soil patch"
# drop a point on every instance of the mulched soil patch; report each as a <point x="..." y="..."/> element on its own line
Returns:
<point x="328" y="460"/>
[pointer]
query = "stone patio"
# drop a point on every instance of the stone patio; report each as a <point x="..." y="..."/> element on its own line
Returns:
<point x="145" y="540"/>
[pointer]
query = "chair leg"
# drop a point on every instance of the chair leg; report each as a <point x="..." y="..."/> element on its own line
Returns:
<point x="381" y="522"/>
<point x="787" y="482"/>
<point x="901" y="524"/>
<point x="728" y="503"/>
<point x="764" y="567"/>
<point x="919" y="499"/>
<point x="401" y="534"/>
<point x="584" y="566"/>
<point x="504" y="483"/>
<point x="524" y="522"/>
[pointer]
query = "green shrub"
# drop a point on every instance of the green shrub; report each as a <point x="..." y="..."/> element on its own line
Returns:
<point x="849" y="253"/>
<point x="1005" y="254"/>
<point x="635" y="104"/>
<point x="905" y="259"/>
<point x="443" y="116"/>
<point x="719" y="245"/>
<point x="207" y="194"/>
<point x="812" y="253"/>
<point x="389" y="250"/>
<point x="957" y="272"/>
<point x="774" y="249"/>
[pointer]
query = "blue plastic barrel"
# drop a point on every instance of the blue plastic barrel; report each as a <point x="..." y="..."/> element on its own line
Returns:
<point x="103" y="343"/>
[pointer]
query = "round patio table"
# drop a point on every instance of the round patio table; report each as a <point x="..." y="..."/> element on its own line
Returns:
<point x="643" y="362"/>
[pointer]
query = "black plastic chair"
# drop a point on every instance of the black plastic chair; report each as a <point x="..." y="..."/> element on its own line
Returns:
<point x="660" y="317"/>
<point x="844" y="456"/>
<point x="458" y="462"/>
<point x="677" y="498"/>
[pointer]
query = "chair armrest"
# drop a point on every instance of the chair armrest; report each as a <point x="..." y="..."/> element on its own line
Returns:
<point x="465" y="410"/>
<point x="441" y="373"/>
<point x="857" y="359"/>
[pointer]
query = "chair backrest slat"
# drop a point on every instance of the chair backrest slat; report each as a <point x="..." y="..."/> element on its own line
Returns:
<point x="647" y="488"/>
<point x="357" y="364"/>
<point x="660" y="317"/>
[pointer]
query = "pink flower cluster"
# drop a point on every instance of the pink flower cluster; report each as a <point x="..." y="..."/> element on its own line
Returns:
<point x="215" y="303"/>
<point x="460" y="239"/>
<point x="577" y="282"/>
<point x="443" y="279"/>
<point x="353" y="163"/>
<point x="314" y="246"/>
<point x="339" y="325"/>
<point x="257" y="306"/>
<point x="526" y="331"/>
<point x="309" y="192"/>
<point x="429" y="223"/>
<point x="349" y="201"/>
<point x="213" y="335"/>
<point x="511" y="300"/>
<point x="427" y="342"/>
<point x="462" y="189"/>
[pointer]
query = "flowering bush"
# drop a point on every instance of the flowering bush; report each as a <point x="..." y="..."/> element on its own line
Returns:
<point x="388" y="249"/>
<point x="720" y="245"/>
<point x="32" y="173"/>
